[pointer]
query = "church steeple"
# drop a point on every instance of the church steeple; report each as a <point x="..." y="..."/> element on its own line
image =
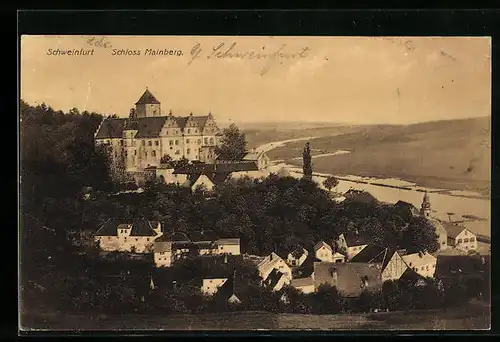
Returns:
<point x="425" y="209"/>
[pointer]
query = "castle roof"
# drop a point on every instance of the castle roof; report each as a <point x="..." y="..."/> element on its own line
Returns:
<point x="148" y="127"/>
<point x="147" y="98"/>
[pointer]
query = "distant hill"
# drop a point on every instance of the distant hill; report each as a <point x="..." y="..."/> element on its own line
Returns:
<point x="450" y="154"/>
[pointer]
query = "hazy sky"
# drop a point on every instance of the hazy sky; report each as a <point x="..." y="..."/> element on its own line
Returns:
<point x="336" y="79"/>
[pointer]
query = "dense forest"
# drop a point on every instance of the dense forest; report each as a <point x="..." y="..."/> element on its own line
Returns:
<point x="58" y="160"/>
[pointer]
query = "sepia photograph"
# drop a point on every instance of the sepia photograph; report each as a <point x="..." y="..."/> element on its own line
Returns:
<point x="245" y="183"/>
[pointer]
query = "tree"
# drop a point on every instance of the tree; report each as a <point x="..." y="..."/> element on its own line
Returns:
<point x="330" y="182"/>
<point x="306" y="157"/>
<point x="165" y="159"/>
<point x="233" y="144"/>
<point x="450" y="215"/>
<point x="420" y="235"/>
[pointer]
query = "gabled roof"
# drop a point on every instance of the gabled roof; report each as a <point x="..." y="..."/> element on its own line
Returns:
<point x="371" y="254"/>
<point x="300" y="282"/>
<point x="322" y="244"/>
<point x="150" y="127"/>
<point x="140" y="227"/>
<point x="349" y="277"/>
<point x="111" y="128"/>
<point x="228" y="241"/>
<point x="200" y="120"/>
<point x="180" y="237"/>
<point x="453" y="229"/>
<point x="147" y="98"/>
<point x="418" y="259"/>
<point x="204" y="235"/>
<point x="353" y="239"/>
<point x="269" y="263"/>
<point x="450" y="266"/>
<point x="410" y="208"/>
<point x="273" y="278"/>
<point x="253" y="155"/>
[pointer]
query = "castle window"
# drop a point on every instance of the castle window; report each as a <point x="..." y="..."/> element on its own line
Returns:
<point x="121" y="142"/>
<point x="177" y="142"/>
<point x="153" y="153"/>
<point x="213" y="130"/>
<point x="157" y="143"/>
<point x="177" y="152"/>
<point x="199" y="141"/>
<point x="189" y="131"/>
<point x="171" y="142"/>
<point x="196" y="131"/>
<point x="211" y="141"/>
<point x="471" y="239"/>
<point x="206" y="141"/>
<point x="150" y="143"/>
<point x="135" y="152"/>
<point x="187" y="141"/>
<point x="459" y="241"/>
<point x="466" y="240"/>
<point x="145" y="154"/>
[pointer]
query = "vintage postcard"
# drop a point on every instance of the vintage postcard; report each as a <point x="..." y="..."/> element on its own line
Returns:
<point x="254" y="183"/>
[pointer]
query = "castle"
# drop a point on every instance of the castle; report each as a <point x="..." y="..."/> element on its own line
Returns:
<point x="141" y="140"/>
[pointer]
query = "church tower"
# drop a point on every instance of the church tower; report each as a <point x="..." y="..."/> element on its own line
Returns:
<point x="425" y="209"/>
<point x="147" y="106"/>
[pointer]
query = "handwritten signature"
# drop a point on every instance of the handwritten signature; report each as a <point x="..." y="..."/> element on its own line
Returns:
<point x="101" y="42"/>
<point x="222" y="51"/>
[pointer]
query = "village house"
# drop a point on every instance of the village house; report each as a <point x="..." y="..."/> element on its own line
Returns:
<point x="276" y="280"/>
<point x="210" y="285"/>
<point x="163" y="256"/>
<point x="297" y="256"/>
<point x="460" y="237"/>
<point x="260" y="158"/>
<point x="350" y="279"/>
<point x="274" y="262"/>
<point x="422" y="263"/>
<point x="122" y="235"/>
<point x="323" y="252"/>
<point x="304" y="285"/>
<point x="232" y="291"/>
<point x="473" y="271"/>
<point x="351" y="244"/>
<point x="409" y="210"/>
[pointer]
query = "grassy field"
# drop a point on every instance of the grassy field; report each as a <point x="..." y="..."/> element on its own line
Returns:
<point x="451" y="154"/>
<point x="473" y="316"/>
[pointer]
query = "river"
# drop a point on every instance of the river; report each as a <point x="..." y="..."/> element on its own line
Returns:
<point x="453" y="202"/>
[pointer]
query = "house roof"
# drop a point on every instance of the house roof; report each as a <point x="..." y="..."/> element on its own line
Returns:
<point x="349" y="276"/>
<point x="147" y="98"/>
<point x="232" y="286"/>
<point x="411" y="209"/>
<point x="253" y="155"/>
<point x="273" y="278"/>
<point x="140" y="227"/>
<point x="269" y="263"/>
<point x="371" y="253"/>
<point x="180" y="237"/>
<point x="453" y="229"/>
<point x="353" y="239"/>
<point x="322" y="244"/>
<point x="307" y="267"/>
<point x="359" y="196"/>
<point x="450" y="266"/>
<point x="418" y="259"/>
<point x="228" y="241"/>
<point x="162" y="246"/>
<point x="204" y="235"/>
<point x="150" y="127"/>
<point x="225" y="167"/>
<point x="300" y="282"/>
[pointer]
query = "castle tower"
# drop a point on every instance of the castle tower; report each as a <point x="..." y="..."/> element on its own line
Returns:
<point x="425" y="209"/>
<point x="147" y="106"/>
